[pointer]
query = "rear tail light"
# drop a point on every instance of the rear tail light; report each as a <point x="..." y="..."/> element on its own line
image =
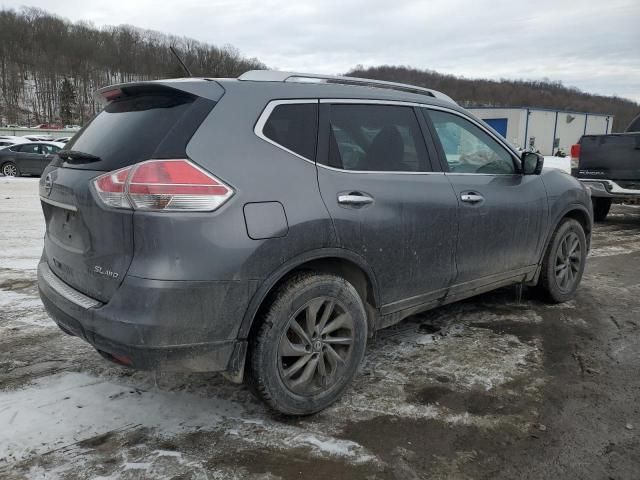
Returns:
<point x="162" y="185"/>
<point x="110" y="188"/>
<point x="575" y="156"/>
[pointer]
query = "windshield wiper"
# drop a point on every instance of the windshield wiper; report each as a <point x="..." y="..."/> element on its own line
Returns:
<point x="75" y="156"/>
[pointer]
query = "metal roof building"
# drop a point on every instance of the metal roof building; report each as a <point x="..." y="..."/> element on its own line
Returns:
<point x="545" y="130"/>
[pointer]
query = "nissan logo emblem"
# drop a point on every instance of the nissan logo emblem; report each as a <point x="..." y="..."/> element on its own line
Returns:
<point x="48" y="184"/>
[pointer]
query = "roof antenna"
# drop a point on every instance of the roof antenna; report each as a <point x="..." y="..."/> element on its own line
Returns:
<point x="184" y="67"/>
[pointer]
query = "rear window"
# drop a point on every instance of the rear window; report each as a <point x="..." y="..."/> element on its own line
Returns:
<point x="138" y="128"/>
<point x="294" y="126"/>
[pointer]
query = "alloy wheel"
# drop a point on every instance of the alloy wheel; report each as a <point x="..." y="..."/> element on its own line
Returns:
<point x="10" y="170"/>
<point x="316" y="346"/>
<point x="568" y="261"/>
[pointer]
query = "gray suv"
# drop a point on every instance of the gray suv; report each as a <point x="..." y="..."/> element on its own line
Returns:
<point x="266" y="226"/>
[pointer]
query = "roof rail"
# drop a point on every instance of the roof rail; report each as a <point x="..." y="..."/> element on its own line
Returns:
<point x="278" y="76"/>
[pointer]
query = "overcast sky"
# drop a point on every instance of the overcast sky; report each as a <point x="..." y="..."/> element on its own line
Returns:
<point x="591" y="44"/>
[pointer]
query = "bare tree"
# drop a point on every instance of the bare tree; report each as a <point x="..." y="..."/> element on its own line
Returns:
<point x="40" y="53"/>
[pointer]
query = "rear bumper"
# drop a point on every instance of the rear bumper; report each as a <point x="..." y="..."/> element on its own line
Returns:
<point x="609" y="189"/>
<point x="150" y="324"/>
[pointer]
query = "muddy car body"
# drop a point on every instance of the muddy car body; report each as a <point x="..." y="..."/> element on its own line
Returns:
<point x="266" y="226"/>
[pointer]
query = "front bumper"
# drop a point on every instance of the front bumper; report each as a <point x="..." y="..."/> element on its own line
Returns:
<point x="609" y="189"/>
<point x="151" y="324"/>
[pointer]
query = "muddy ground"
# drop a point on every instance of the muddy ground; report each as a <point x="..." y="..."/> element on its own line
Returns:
<point x="493" y="387"/>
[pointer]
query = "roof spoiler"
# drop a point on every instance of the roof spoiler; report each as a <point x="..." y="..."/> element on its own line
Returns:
<point x="200" y="87"/>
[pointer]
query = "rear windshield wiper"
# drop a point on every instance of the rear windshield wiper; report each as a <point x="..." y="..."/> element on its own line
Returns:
<point x="74" y="156"/>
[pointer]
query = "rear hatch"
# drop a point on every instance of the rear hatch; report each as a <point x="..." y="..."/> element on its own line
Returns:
<point x="89" y="245"/>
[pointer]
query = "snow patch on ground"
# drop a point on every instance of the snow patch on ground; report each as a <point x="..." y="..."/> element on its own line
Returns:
<point x="332" y="446"/>
<point x="22" y="221"/>
<point x="64" y="409"/>
<point x="611" y="250"/>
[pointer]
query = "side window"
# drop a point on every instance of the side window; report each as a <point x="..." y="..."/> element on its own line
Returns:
<point x="468" y="148"/>
<point x="30" y="148"/>
<point x="48" y="149"/>
<point x="382" y="138"/>
<point x="294" y="126"/>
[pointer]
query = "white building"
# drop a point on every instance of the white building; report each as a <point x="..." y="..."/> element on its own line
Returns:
<point x="543" y="129"/>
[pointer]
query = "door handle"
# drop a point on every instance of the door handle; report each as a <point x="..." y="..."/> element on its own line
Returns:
<point x="471" y="197"/>
<point x="354" y="199"/>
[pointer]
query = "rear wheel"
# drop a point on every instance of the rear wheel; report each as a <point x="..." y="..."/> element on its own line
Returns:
<point x="10" y="169"/>
<point x="601" y="207"/>
<point x="564" y="262"/>
<point x="310" y="343"/>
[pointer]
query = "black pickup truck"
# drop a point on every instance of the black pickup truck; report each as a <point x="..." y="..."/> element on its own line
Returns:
<point x="610" y="166"/>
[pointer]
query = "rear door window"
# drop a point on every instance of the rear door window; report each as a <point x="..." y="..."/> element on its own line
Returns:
<point x="48" y="149"/>
<point x="382" y="138"/>
<point x="294" y="126"/>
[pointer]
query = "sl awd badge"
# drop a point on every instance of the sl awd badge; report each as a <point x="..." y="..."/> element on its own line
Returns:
<point x="105" y="272"/>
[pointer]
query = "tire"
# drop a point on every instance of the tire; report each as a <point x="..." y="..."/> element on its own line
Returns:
<point x="10" y="169"/>
<point x="601" y="207"/>
<point x="293" y="369"/>
<point x="564" y="262"/>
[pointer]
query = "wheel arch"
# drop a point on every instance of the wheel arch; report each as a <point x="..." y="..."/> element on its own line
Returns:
<point x="4" y="161"/>
<point x="582" y="216"/>
<point x="338" y="261"/>
<point x="576" y="211"/>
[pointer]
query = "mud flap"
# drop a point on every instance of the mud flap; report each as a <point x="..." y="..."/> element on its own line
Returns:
<point x="235" y="368"/>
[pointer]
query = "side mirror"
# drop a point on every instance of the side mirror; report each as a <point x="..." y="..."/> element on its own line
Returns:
<point x="532" y="163"/>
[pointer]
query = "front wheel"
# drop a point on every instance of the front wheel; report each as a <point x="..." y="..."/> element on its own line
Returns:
<point x="10" y="169"/>
<point x="310" y="344"/>
<point x="564" y="262"/>
<point x="601" y="207"/>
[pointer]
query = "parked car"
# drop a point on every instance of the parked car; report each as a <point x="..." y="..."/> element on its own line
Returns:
<point x="30" y="158"/>
<point x="9" y="140"/>
<point x="49" y="126"/>
<point x="610" y="166"/>
<point x="72" y="127"/>
<point x="38" y="138"/>
<point x="266" y="226"/>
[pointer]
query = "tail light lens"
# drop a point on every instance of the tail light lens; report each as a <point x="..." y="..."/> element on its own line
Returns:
<point x="575" y="156"/>
<point x="162" y="185"/>
<point x="110" y="188"/>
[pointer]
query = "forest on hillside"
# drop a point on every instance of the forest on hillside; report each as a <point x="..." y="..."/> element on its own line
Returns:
<point x="507" y="93"/>
<point x="49" y="67"/>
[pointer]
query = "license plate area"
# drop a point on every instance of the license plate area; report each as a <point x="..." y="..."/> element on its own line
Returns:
<point x="67" y="229"/>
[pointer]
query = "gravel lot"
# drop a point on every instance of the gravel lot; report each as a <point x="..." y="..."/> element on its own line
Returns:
<point x="493" y="387"/>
